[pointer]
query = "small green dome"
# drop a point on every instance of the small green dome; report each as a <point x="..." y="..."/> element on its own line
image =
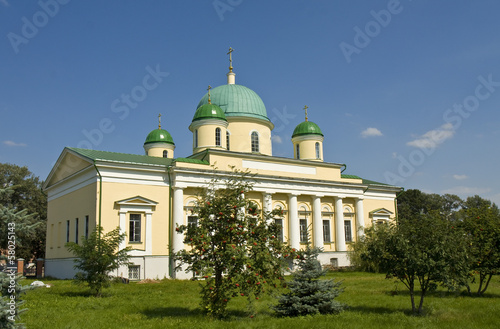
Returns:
<point x="159" y="136"/>
<point x="209" y="111"/>
<point x="307" y="128"/>
<point x="237" y="101"/>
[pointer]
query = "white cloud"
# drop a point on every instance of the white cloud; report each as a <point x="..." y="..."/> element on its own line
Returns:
<point x="460" y="177"/>
<point x="466" y="191"/>
<point x="277" y="139"/>
<point x="371" y="132"/>
<point x="433" y="138"/>
<point x="14" y="144"/>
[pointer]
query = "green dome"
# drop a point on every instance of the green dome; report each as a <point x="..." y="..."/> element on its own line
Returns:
<point x="209" y="111"/>
<point x="307" y="128"/>
<point x="237" y="101"/>
<point x="159" y="136"/>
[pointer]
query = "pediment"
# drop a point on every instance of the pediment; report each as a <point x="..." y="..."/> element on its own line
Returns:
<point x="136" y="201"/>
<point x="68" y="164"/>
<point x="381" y="212"/>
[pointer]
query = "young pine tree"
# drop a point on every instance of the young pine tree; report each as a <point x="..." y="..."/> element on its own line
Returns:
<point x="308" y="294"/>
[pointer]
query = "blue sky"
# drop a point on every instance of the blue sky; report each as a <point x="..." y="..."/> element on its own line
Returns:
<point x="406" y="92"/>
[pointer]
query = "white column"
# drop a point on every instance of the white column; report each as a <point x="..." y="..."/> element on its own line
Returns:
<point x="317" y="222"/>
<point x="293" y="222"/>
<point x="268" y="205"/>
<point x="123" y="229"/>
<point x="149" y="234"/>
<point x="339" y="225"/>
<point x="178" y="214"/>
<point x="360" y="218"/>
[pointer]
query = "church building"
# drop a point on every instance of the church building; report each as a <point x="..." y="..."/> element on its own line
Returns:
<point x="147" y="196"/>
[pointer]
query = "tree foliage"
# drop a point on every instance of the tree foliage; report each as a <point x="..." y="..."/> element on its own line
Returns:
<point x="233" y="248"/>
<point x="423" y="252"/>
<point x="10" y="299"/>
<point x="25" y="197"/>
<point x="480" y="221"/>
<point x="308" y="294"/>
<point x="97" y="256"/>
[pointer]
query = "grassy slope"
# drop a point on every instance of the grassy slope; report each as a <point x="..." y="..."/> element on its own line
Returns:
<point x="174" y="304"/>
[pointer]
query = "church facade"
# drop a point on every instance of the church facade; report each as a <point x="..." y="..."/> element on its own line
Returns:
<point x="147" y="196"/>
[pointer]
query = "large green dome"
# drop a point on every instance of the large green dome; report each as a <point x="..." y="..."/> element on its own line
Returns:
<point x="209" y="111"/>
<point x="159" y="136"/>
<point x="307" y="128"/>
<point x="237" y="101"/>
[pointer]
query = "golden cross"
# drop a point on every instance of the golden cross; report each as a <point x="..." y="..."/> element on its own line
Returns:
<point x="159" y="121"/>
<point x="305" y="109"/>
<point x="230" y="59"/>
<point x="209" y="100"/>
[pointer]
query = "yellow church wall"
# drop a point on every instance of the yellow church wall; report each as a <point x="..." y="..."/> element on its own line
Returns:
<point x="158" y="151"/>
<point x="206" y="137"/>
<point x="240" y="136"/>
<point x="307" y="150"/>
<point x="372" y="204"/>
<point x="110" y="217"/>
<point x="76" y="204"/>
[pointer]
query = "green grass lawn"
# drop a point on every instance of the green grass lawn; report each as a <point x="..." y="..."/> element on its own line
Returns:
<point x="373" y="301"/>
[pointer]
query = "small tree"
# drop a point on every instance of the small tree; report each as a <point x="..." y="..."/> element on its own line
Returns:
<point x="233" y="247"/>
<point x="307" y="293"/>
<point x="481" y="225"/>
<point x="96" y="258"/>
<point x="425" y="252"/>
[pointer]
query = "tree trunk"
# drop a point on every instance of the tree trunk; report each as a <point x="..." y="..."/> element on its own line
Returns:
<point x="481" y="280"/>
<point x="481" y="293"/>
<point x="420" y="306"/>
<point x="412" y="296"/>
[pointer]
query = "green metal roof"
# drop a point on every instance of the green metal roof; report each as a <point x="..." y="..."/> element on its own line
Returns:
<point x="350" y="176"/>
<point x="159" y="136"/>
<point x="237" y="101"/>
<point x="94" y="155"/>
<point x="209" y="111"/>
<point x="365" y="181"/>
<point x="307" y="128"/>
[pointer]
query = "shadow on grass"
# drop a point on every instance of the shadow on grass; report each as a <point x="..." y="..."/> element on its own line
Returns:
<point x="83" y="293"/>
<point x="440" y="294"/>
<point x="181" y="312"/>
<point x="376" y="309"/>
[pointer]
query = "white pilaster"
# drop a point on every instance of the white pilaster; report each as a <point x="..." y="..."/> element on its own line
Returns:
<point x="293" y="218"/>
<point x="360" y="218"/>
<point x="123" y="229"/>
<point x="178" y="216"/>
<point x="339" y="224"/>
<point x="317" y="222"/>
<point x="149" y="234"/>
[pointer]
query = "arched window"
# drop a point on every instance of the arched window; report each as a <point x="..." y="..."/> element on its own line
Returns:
<point x="217" y="136"/>
<point x="255" y="142"/>
<point x="297" y="147"/>
<point x="165" y="154"/>
<point x="196" y="138"/>
<point x="227" y="140"/>
<point x="317" y="151"/>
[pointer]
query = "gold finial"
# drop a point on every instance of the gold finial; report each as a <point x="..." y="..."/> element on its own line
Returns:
<point x="305" y="109"/>
<point x="230" y="59"/>
<point x="159" y="121"/>
<point x="209" y="100"/>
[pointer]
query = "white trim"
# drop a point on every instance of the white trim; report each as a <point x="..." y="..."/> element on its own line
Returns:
<point x="270" y="166"/>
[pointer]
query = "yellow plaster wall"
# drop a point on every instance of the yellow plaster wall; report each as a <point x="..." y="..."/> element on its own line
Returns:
<point x="113" y="192"/>
<point x="158" y="151"/>
<point x="308" y="150"/>
<point x="240" y="139"/>
<point x="77" y="204"/>
<point x="206" y="137"/>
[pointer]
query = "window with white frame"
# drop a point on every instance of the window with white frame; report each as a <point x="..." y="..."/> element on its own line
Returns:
<point x="297" y="148"/>
<point x="348" y="230"/>
<point x="134" y="228"/>
<point x="255" y="141"/>
<point x="279" y="223"/>
<point x="326" y="231"/>
<point x="227" y="141"/>
<point x="217" y="136"/>
<point x="165" y="154"/>
<point x="303" y="230"/>
<point x="134" y="272"/>
<point x="317" y="151"/>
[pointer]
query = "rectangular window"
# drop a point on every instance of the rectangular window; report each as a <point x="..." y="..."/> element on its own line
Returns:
<point x="135" y="228"/>
<point x="326" y="231"/>
<point x="67" y="231"/>
<point x="86" y="227"/>
<point x="279" y="222"/>
<point x="53" y="237"/>
<point x="192" y="220"/>
<point x="217" y="136"/>
<point x="303" y="230"/>
<point x="134" y="272"/>
<point x="76" y="230"/>
<point x="347" y="229"/>
<point x="227" y="141"/>
<point x="59" y="234"/>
